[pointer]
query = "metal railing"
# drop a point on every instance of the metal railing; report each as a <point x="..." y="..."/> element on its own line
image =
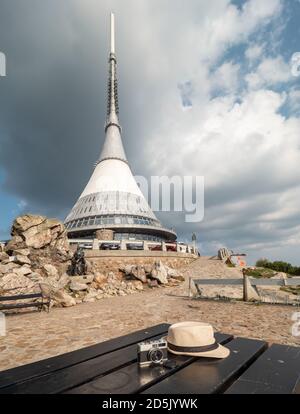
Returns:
<point x="250" y="284"/>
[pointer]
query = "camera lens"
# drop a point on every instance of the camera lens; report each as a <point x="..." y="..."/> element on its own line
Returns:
<point x="155" y="356"/>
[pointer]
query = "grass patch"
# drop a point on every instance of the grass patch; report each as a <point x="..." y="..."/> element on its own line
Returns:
<point x="260" y="272"/>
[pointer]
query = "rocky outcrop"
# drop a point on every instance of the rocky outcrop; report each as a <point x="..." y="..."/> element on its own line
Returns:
<point x="37" y="259"/>
<point x="38" y="232"/>
<point x="153" y="275"/>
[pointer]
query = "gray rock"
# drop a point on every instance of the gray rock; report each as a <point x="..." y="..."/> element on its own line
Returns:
<point x="148" y="269"/>
<point x="15" y="243"/>
<point x="63" y="298"/>
<point x="8" y="268"/>
<point x="82" y="279"/>
<point x="20" y="259"/>
<point x="91" y="296"/>
<point x="23" y="252"/>
<point x="23" y="271"/>
<point x="171" y="272"/>
<point x="127" y="269"/>
<point x="138" y="285"/>
<point x="35" y="277"/>
<point x="12" y="281"/>
<point x="50" y="270"/>
<point x="52" y="285"/>
<point x="139" y="273"/>
<point x="160" y="273"/>
<point x="3" y="256"/>
<point x="25" y="222"/>
<point x="78" y="287"/>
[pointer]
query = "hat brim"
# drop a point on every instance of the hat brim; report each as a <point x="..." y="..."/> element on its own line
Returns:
<point x="220" y="353"/>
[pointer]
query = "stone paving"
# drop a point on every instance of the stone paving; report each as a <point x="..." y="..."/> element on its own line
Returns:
<point x="35" y="336"/>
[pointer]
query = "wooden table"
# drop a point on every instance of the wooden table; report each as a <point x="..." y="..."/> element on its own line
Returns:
<point x="111" y="368"/>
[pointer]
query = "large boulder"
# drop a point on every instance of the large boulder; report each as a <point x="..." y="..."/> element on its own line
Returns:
<point x="127" y="269"/>
<point x="138" y="272"/>
<point x="39" y="242"/>
<point x="82" y="279"/>
<point x="25" y="222"/>
<point x="23" y="252"/>
<point x="12" y="281"/>
<point x="21" y="260"/>
<point x="9" y="267"/>
<point x="78" y="287"/>
<point x="62" y="298"/>
<point x="22" y="271"/>
<point x="50" y="271"/>
<point x="51" y="285"/>
<point x="160" y="273"/>
<point x="38" y="232"/>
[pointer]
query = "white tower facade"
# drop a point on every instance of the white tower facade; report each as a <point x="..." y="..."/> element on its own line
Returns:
<point x="112" y="199"/>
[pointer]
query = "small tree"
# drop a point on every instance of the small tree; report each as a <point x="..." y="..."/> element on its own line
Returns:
<point x="262" y="262"/>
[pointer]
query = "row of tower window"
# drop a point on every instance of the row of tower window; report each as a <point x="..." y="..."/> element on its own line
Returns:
<point x="88" y="209"/>
<point x="133" y="236"/>
<point x="91" y="221"/>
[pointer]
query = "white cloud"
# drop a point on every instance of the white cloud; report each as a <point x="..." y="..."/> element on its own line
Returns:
<point x="225" y="78"/>
<point x="254" y="52"/>
<point x="271" y="71"/>
<point x="294" y="100"/>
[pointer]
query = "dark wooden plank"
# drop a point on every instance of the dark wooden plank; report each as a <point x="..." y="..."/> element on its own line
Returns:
<point x="277" y="371"/>
<point x="131" y="378"/>
<point x="19" y="297"/>
<point x="21" y="305"/>
<point x="208" y="376"/>
<point x="46" y="366"/>
<point x="75" y="375"/>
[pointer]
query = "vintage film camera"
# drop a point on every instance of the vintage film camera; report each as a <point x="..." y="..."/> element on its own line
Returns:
<point x="152" y="352"/>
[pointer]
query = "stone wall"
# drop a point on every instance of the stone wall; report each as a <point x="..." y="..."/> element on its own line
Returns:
<point x="111" y="261"/>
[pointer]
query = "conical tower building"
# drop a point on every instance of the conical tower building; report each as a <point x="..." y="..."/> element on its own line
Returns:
<point x="112" y="199"/>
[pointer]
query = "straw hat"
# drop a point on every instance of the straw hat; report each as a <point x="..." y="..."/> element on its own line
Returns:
<point x="194" y="339"/>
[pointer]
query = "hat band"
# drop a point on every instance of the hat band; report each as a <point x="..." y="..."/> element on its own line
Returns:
<point x="193" y="349"/>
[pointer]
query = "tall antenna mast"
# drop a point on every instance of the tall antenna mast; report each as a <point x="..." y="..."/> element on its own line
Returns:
<point x="112" y="98"/>
<point x="112" y="33"/>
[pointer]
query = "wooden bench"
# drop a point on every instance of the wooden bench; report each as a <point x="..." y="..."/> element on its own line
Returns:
<point x="111" y="367"/>
<point x="45" y="301"/>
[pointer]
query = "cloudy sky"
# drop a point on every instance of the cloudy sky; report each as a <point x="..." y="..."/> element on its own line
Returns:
<point x="206" y="89"/>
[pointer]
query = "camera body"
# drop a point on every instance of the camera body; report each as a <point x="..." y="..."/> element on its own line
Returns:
<point x="152" y="352"/>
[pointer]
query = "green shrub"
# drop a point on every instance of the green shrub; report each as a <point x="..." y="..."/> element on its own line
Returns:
<point x="262" y="263"/>
<point x="279" y="266"/>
